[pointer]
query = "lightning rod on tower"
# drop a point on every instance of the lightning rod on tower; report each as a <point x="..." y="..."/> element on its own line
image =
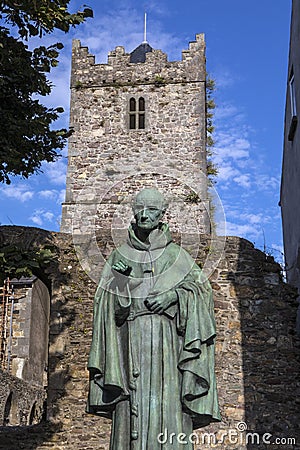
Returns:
<point x="145" y="29"/>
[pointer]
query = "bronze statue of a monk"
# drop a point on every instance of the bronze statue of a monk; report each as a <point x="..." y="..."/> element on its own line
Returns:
<point x="152" y="355"/>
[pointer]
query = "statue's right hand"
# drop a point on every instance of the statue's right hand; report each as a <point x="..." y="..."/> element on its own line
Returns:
<point x="122" y="268"/>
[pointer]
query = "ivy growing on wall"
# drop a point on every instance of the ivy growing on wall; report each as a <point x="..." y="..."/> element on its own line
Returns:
<point x="16" y="261"/>
<point x="212" y="170"/>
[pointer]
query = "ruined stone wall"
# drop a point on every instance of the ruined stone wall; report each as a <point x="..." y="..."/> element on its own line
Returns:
<point x="20" y="403"/>
<point x="257" y="353"/>
<point x="20" y="329"/>
<point x="30" y="333"/>
<point x="108" y="161"/>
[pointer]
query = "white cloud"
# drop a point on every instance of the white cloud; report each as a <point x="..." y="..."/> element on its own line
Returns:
<point x="36" y="219"/>
<point x="60" y="97"/>
<point x="253" y="218"/>
<point x="56" y="171"/>
<point x="53" y="195"/>
<point x="224" y="111"/>
<point x="40" y="216"/>
<point x="48" y="194"/>
<point x="58" y="196"/>
<point x="240" y="168"/>
<point x="224" y="78"/>
<point x="268" y="182"/>
<point x="259" y="218"/>
<point x="17" y="192"/>
<point x="48" y="216"/>
<point x="61" y="196"/>
<point x="243" y="180"/>
<point x="232" y="147"/>
<point x="251" y="231"/>
<point x="231" y="153"/>
<point x="229" y="145"/>
<point x="226" y="172"/>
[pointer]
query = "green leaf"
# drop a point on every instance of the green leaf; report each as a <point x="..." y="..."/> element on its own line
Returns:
<point x="88" y="12"/>
<point x="33" y="264"/>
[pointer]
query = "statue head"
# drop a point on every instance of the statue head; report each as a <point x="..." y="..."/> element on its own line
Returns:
<point x="149" y="206"/>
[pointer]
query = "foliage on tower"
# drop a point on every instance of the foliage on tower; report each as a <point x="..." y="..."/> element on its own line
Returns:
<point x="212" y="170"/>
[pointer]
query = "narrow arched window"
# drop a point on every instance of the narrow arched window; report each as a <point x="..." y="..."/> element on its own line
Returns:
<point x="136" y="113"/>
<point x="132" y="104"/>
<point x="141" y="113"/>
<point x="132" y="113"/>
<point x="141" y="104"/>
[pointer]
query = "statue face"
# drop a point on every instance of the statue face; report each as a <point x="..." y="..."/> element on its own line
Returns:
<point x="148" y="208"/>
<point x="147" y="217"/>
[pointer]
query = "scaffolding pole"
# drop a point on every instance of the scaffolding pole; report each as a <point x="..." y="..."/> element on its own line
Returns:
<point x="4" y="321"/>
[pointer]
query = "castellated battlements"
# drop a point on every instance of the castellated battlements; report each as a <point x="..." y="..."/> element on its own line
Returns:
<point x="156" y="69"/>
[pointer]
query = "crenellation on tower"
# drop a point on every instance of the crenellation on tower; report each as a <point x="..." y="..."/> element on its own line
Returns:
<point x="120" y="70"/>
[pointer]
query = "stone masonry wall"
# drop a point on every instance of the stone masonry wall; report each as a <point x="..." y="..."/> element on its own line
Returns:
<point x="30" y="331"/>
<point x="107" y="160"/>
<point x="20" y="403"/>
<point x="257" y="352"/>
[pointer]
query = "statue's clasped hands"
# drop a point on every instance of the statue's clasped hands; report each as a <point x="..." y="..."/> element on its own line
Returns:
<point x="160" y="302"/>
<point x="157" y="302"/>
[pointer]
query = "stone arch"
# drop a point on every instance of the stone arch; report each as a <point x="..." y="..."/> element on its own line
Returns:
<point x="11" y="412"/>
<point x="32" y="415"/>
<point x="7" y="409"/>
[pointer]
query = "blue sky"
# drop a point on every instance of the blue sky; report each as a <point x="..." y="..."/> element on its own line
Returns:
<point x="247" y="53"/>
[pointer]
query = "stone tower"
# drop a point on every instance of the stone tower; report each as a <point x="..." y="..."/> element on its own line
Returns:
<point x="138" y="121"/>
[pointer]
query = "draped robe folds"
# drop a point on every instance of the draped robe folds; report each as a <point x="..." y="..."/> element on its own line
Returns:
<point x="153" y="374"/>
